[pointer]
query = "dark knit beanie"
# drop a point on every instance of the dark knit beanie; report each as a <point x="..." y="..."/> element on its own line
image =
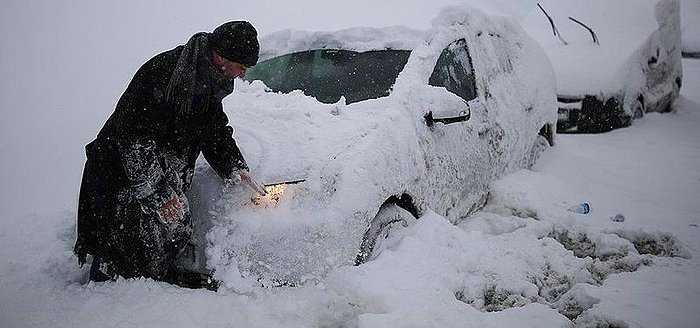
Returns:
<point x="236" y="41"/>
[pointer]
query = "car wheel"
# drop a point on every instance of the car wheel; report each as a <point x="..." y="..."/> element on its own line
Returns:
<point x="385" y="231"/>
<point x="538" y="147"/>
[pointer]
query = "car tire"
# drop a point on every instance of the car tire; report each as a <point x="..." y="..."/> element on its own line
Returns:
<point x="385" y="231"/>
<point x="538" y="147"/>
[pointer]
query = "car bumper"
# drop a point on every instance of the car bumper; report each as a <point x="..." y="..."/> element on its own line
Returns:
<point x="590" y="114"/>
<point x="569" y="109"/>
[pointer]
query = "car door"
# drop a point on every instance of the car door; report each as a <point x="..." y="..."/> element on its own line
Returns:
<point x="464" y="148"/>
<point x="658" y="67"/>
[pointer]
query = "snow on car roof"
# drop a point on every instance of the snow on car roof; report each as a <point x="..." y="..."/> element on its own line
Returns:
<point x="622" y="27"/>
<point x="378" y="37"/>
<point x="356" y="39"/>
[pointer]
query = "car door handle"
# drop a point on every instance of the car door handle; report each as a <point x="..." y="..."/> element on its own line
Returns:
<point x="462" y="116"/>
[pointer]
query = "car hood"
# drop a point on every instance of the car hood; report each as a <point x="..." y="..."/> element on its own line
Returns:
<point x="582" y="67"/>
<point x="285" y="136"/>
<point x="318" y="224"/>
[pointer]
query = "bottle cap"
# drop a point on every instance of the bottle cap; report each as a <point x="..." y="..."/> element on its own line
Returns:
<point x="585" y="208"/>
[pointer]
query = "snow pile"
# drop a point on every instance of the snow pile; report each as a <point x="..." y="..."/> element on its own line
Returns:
<point x="356" y="39"/>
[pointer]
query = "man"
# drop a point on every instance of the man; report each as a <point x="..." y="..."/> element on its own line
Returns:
<point x="133" y="216"/>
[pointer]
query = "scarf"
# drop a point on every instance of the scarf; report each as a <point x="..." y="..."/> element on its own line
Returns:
<point x="196" y="75"/>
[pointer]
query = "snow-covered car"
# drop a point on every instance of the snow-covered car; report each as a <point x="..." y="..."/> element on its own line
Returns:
<point x="613" y="60"/>
<point x="355" y="133"/>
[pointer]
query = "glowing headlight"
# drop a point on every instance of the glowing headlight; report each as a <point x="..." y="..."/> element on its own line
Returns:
<point x="274" y="193"/>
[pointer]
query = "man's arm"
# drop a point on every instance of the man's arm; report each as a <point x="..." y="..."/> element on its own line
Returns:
<point x="220" y="149"/>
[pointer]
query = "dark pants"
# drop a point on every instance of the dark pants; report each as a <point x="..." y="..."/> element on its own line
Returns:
<point x="140" y="245"/>
<point x="96" y="273"/>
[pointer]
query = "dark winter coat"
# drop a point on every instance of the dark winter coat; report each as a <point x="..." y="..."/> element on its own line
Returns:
<point x="144" y="156"/>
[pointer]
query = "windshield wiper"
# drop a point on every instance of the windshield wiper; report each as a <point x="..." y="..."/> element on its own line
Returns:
<point x="593" y="35"/>
<point x="554" y="28"/>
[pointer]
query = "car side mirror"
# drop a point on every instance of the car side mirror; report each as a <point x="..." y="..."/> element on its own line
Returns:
<point x="447" y="119"/>
<point x="654" y="58"/>
<point x="453" y="115"/>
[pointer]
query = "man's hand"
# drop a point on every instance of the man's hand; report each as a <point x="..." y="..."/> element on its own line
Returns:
<point x="172" y="211"/>
<point x="245" y="177"/>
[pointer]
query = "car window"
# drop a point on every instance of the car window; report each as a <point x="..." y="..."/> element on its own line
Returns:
<point x="454" y="71"/>
<point x="328" y="74"/>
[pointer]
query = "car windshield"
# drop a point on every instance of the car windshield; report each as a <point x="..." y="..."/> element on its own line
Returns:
<point x="328" y="74"/>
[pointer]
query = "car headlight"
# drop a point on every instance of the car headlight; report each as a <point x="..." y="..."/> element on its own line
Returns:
<point x="274" y="193"/>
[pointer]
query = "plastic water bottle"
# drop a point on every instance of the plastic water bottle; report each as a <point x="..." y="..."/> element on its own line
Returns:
<point x="583" y="208"/>
<point x="618" y="218"/>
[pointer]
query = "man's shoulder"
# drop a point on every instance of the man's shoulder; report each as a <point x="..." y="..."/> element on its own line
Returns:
<point x="165" y="60"/>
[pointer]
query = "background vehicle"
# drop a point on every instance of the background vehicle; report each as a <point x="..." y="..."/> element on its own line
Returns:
<point x="358" y="132"/>
<point x="611" y="66"/>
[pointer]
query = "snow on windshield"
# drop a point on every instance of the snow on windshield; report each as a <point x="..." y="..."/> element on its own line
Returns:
<point x="356" y="39"/>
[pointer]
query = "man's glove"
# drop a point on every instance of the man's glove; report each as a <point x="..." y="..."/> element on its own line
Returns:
<point x="244" y="176"/>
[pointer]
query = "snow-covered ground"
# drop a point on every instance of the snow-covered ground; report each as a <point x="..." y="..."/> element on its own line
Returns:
<point x="521" y="261"/>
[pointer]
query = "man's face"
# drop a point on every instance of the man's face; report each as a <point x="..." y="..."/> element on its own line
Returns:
<point x="230" y="69"/>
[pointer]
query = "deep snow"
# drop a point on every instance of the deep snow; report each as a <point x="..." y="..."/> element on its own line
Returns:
<point x="520" y="251"/>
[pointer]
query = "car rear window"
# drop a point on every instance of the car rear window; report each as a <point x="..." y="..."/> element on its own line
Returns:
<point x="328" y="74"/>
